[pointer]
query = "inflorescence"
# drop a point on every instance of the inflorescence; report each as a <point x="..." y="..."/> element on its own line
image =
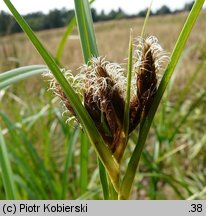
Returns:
<point x="102" y="87"/>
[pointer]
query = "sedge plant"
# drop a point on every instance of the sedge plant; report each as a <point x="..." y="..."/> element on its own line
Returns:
<point x="108" y="104"/>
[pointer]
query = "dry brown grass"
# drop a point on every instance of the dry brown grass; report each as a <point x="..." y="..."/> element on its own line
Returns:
<point x="112" y="40"/>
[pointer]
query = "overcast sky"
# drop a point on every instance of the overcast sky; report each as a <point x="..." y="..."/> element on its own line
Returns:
<point x="129" y="6"/>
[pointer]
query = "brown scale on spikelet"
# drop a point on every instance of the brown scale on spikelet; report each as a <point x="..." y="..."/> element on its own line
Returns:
<point x="146" y="77"/>
<point x="149" y="57"/>
<point x="105" y="98"/>
<point x="57" y="90"/>
<point x="102" y="87"/>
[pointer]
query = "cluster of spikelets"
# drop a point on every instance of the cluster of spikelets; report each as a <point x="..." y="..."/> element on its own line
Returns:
<point x="102" y="88"/>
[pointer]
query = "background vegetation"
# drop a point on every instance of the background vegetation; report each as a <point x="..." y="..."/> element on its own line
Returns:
<point x="45" y="151"/>
<point x="60" y="18"/>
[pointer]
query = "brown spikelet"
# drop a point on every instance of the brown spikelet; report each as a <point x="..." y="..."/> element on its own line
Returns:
<point x="110" y="99"/>
<point x="146" y="81"/>
<point x="95" y="113"/>
<point x="146" y="78"/>
<point x="93" y="108"/>
<point x="106" y="105"/>
<point x="62" y="96"/>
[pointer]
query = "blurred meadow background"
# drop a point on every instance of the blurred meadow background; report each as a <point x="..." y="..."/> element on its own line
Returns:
<point x="45" y="152"/>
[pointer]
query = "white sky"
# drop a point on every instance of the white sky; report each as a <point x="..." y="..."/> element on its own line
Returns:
<point x="129" y="6"/>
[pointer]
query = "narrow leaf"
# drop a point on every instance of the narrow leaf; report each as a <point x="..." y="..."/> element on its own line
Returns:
<point x="129" y="80"/>
<point x="7" y="175"/>
<point x="10" y="77"/>
<point x="86" y="30"/>
<point x="84" y="163"/>
<point x="103" y="179"/>
<point x="64" y="39"/>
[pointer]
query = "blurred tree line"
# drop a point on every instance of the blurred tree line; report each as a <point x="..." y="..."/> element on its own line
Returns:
<point x="60" y="18"/>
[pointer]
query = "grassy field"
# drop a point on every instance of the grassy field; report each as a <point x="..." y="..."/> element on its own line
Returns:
<point x="39" y="140"/>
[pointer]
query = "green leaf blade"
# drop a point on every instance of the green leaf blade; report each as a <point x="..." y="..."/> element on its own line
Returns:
<point x="63" y="41"/>
<point x="7" y="175"/>
<point x="10" y="77"/>
<point x="86" y="30"/>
